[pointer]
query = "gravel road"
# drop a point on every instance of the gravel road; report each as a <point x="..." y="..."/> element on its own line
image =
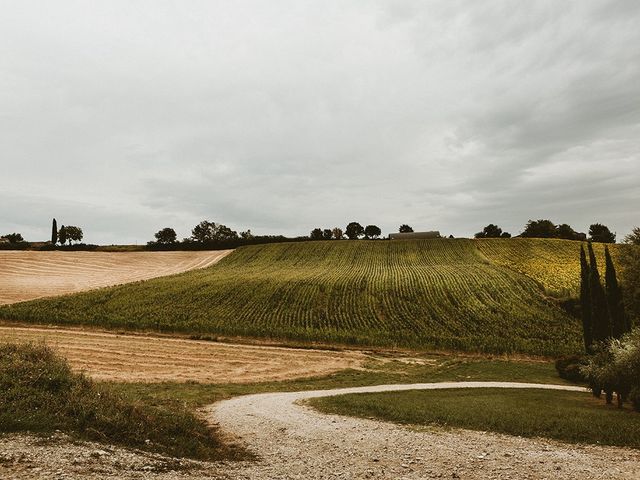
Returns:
<point x="295" y="442"/>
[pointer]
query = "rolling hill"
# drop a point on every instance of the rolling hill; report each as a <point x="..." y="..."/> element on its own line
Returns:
<point x="474" y="295"/>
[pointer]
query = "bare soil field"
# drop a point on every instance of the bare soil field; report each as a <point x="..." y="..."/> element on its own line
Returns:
<point x="142" y="358"/>
<point x="30" y="275"/>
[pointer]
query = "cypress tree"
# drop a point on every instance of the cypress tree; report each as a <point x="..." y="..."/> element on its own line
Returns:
<point x="601" y="324"/>
<point x="62" y="235"/>
<point x="614" y="298"/>
<point x="54" y="232"/>
<point x="585" y="301"/>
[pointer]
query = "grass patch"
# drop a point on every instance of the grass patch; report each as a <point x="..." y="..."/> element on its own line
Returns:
<point x="39" y="393"/>
<point x="566" y="416"/>
<point x="377" y="372"/>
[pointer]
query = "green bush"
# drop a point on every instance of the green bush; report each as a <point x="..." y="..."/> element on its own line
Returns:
<point x="40" y="393"/>
<point x="615" y="367"/>
<point x="570" y="368"/>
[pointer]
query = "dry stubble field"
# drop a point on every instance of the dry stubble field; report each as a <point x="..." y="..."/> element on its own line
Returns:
<point x="27" y="275"/>
<point x="142" y="358"/>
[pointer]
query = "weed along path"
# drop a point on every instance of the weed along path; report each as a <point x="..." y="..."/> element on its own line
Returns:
<point x="294" y="441"/>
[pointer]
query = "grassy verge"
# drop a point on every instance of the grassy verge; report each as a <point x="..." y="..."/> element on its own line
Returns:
<point x="39" y="393"/>
<point x="566" y="416"/>
<point x="377" y="372"/>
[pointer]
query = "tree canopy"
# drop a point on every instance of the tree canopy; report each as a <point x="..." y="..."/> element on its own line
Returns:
<point x="14" y="237"/>
<point x="404" y="228"/>
<point x="492" y="231"/>
<point x="601" y="233"/>
<point x="316" y="234"/>
<point x="73" y="234"/>
<point x="210" y="232"/>
<point x="372" y="231"/>
<point x="166" y="236"/>
<point x="354" y="231"/>
<point x="634" y="237"/>
<point x="539" y="229"/>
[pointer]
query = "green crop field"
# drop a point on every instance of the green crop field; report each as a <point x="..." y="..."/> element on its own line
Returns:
<point x="486" y="296"/>
<point x="552" y="263"/>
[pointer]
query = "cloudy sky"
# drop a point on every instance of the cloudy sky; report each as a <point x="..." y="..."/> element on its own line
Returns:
<point x="123" y="117"/>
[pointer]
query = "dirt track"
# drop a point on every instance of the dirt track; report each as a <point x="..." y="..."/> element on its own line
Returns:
<point x="29" y="275"/>
<point x="294" y="441"/>
<point x="140" y="358"/>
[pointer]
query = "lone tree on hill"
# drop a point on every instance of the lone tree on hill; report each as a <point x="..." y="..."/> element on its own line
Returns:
<point x="585" y="301"/>
<point x="601" y="323"/>
<point x="372" y="231"/>
<point x="54" y="232"/>
<point x="601" y="233"/>
<point x="166" y="236"/>
<point x="619" y="322"/>
<point x="337" y="233"/>
<point x="492" y="231"/>
<point x="404" y="228"/>
<point x="354" y="231"/>
<point x="316" y="234"/>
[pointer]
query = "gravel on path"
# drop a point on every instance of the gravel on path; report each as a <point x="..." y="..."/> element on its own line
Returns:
<point x="294" y="441"/>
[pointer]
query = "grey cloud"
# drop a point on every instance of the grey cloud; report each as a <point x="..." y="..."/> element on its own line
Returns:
<point x="279" y="117"/>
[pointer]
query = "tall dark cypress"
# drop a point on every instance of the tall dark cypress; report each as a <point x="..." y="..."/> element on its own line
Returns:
<point x="585" y="301"/>
<point x="601" y="324"/>
<point x="614" y="298"/>
<point x="54" y="232"/>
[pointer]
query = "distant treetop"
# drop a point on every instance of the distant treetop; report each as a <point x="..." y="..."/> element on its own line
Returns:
<point x="601" y="233"/>
<point x="404" y="228"/>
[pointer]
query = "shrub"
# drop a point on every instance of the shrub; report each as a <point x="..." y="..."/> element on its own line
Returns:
<point x="570" y="368"/>
<point x="40" y="393"/>
<point x="634" y="398"/>
<point x="615" y="367"/>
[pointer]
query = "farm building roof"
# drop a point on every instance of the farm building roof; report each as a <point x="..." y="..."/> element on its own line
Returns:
<point x="414" y="235"/>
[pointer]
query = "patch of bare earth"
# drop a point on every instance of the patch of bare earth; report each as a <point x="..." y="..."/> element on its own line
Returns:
<point x="27" y="275"/>
<point x="142" y="358"/>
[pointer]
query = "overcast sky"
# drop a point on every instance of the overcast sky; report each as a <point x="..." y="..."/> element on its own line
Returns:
<point x="123" y="117"/>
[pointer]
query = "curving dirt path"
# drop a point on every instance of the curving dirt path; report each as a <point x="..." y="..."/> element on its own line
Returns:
<point x="27" y="275"/>
<point x="296" y="442"/>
